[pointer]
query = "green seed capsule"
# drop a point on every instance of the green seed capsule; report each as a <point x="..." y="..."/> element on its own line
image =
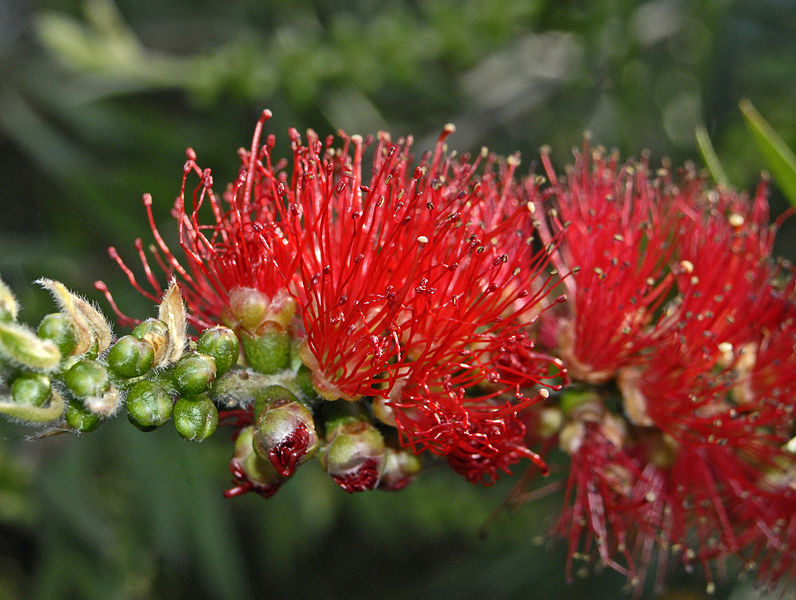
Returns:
<point x="222" y="344"/>
<point x="269" y="351"/>
<point x="131" y="357"/>
<point x="87" y="378"/>
<point x="77" y="417"/>
<point x="194" y="373"/>
<point x="31" y="388"/>
<point x="59" y="329"/>
<point x="148" y="405"/>
<point x="195" y="419"/>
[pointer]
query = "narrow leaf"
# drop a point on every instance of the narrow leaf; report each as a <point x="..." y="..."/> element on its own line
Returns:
<point x="780" y="160"/>
<point x="709" y="156"/>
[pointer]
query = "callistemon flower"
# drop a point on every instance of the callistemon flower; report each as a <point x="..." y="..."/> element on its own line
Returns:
<point x="241" y="247"/>
<point x="617" y="235"/>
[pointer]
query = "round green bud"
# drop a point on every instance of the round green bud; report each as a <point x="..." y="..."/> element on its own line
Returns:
<point x="148" y="405"/>
<point x="31" y="388"/>
<point x="131" y="357"/>
<point x="195" y="419"/>
<point x="272" y="395"/>
<point x="59" y="329"/>
<point x="87" y="378"/>
<point x="304" y="382"/>
<point x="156" y="332"/>
<point x="81" y="419"/>
<point x="269" y="351"/>
<point x="222" y="344"/>
<point x="194" y="373"/>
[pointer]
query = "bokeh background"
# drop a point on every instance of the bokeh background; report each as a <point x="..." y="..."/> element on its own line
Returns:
<point x="98" y="101"/>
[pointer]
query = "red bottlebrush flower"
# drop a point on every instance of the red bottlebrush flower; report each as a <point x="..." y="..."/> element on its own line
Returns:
<point x="617" y="235"/>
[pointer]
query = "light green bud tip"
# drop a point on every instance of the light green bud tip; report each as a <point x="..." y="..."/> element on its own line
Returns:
<point x="194" y="373"/>
<point x="269" y="350"/>
<point x="59" y="329"/>
<point x="222" y="344"/>
<point x="195" y="419"/>
<point x="80" y="418"/>
<point x="8" y="304"/>
<point x="87" y="378"/>
<point x="148" y="405"/>
<point x="131" y="357"/>
<point x="22" y="346"/>
<point x="32" y="389"/>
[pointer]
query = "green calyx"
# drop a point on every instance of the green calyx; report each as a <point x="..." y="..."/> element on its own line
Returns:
<point x="195" y="419"/>
<point x="193" y="373"/>
<point x="131" y="357"/>
<point x="222" y="344"/>
<point x="267" y="351"/>
<point x="79" y="418"/>
<point x="148" y="405"/>
<point x="32" y="389"/>
<point x="59" y="329"/>
<point x="87" y="378"/>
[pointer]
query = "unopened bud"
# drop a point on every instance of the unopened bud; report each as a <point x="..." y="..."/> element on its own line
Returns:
<point x="59" y="329"/>
<point x="269" y="350"/>
<point x="304" y="382"/>
<point x="87" y="378"/>
<point x="22" y="346"/>
<point x="31" y="388"/>
<point x="222" y="344"/>
<point x="401" y="467"/>
<point x="78" y="417"/>
<point x="148" y="405"/>
<point x="285" y="430"/>
<point x="250" y="308"/>
<point x="130" y="357"/>
<point x="251" y="473"/>
<point x="354" y="454"/>
<point x="156" y="333"/>
<point x="194" y="373"/>
<point x="195" y="419"/>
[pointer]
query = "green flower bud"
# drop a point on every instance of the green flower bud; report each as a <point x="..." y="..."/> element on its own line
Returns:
<point x="239" y="387"/>
<point x="35" y="414"/>
<point x="131" y="357"/>
<point x="285" y="430"/>
<point x="251" y="472"/>
<point x="156" y="332"/>
<point x="195" y="419"/>
<point x="22" y="346"/>
<point x="148" y="405"/>
<point x="269" y="351"/>
<point x="270" y="396"/>
<point x="87" y="378"/>
<point x="250" y="308"/>
<point x="81" y="419"/>
<point x="194" y="373"/>
<point x="8" y="304"/>
<point x="59" y="329"/>
<point x="401" y="467"/>
<point x="304" y="382"/>
<point x="354" y="454"/>
<point x="31" y="388"/>
<point x="222" y="344"/>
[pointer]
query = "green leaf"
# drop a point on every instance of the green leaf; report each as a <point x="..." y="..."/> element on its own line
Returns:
<point x="709" y="156"/>
<point x="780" y="160"/>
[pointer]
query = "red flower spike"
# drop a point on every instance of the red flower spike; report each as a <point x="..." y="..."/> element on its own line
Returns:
<point x="615" y="232"/>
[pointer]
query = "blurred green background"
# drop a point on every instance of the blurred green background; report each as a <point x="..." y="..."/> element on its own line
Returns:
<point x="98" y="101"/>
